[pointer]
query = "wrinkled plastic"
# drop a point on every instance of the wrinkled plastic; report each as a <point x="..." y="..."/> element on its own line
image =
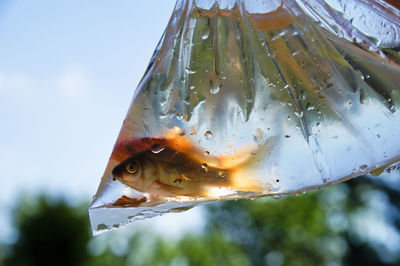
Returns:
<point x="244" y="99"/>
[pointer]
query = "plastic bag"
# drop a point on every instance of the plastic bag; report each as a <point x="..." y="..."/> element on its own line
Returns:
<point x="244" y="99"/>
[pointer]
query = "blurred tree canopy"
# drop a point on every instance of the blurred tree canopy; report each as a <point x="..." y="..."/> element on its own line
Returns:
<point x="319" y="228"/>
<point x="50" y="232"/>
<point x="353" y="223"/>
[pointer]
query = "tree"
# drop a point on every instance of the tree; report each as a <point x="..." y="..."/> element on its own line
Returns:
<point x="49" y="233"/>
<point x="316" y="228"/>
<point x="320" y="227"/>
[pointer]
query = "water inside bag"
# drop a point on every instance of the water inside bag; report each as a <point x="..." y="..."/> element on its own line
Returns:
<point x="250" y="98"/>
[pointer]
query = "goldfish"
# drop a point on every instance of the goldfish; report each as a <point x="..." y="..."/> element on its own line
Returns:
<point x="169" y="173"/>
<point x="178" y="168"/>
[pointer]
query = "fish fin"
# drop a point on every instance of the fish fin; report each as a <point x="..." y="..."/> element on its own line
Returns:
<point x="249" y="154"/>
<point x="124" y="201"/>
<point x="243" y="180"/>
<point x="178" y="141"/>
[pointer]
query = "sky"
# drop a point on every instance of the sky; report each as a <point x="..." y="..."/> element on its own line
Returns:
<point x="68" y="71"/>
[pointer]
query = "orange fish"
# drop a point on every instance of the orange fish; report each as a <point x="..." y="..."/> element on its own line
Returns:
<point x="175" y="167"/>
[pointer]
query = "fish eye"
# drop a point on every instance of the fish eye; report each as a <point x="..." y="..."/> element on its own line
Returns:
<point x="131" y="168"/>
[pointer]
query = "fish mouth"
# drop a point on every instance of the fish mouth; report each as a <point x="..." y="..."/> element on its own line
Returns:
<point x="115" y="175"/>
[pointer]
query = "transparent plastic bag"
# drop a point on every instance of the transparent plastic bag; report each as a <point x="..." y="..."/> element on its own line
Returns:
<point x="248" y="98"/>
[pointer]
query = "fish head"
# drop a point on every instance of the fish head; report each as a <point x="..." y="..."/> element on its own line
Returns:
<point x="136" y="171"/>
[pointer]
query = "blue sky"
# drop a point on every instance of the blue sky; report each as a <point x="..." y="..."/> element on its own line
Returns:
<point x="68" y="70"/>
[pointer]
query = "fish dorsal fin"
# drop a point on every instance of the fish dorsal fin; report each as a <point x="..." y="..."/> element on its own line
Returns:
<point x="182" y="143"/>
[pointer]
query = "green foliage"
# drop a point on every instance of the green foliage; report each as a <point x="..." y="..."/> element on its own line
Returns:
<point x="211" y="249"/>
<point x="145" y="248"/>
<point x="316" y="228"/>
<point x="47" y="231"/>
<point x="270" y="230"/>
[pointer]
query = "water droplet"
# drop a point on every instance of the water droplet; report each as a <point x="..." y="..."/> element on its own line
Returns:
<point x="215" y="86"/>
<point x="299" y="115"/>
<point x="214" y="89"/>
<point x="207" y="153"/>
<point x="163" y="101"/>
<point x="258" y="135"/>
<point x="179" y="116"/>
<point x="205" y="167"/>
<point x="310" y="107"/>
<point x="208" y="134"/>
<point x="363" y="167"/>
<point x="190" y="71"/>
<point x="157" y="148"/>
<point x="187" y="100"/>
<point x="205" y="34"/>
<point x="363" y="97"/>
